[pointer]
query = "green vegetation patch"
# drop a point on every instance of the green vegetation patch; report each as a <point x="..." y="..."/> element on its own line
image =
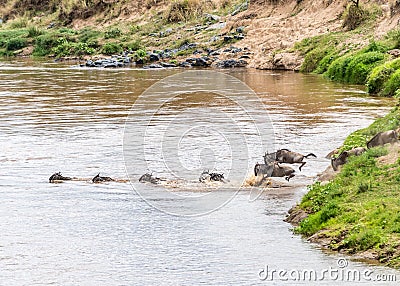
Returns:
<point x="380" y="75"/>
<point x="15" y="44"/>
<point x="44" y="44"/>
<point x="359" y="209"/>
<point x="66" y="48"/>
<point x="392" y="86"/>
<point x="337" y="58"/>
<point x="111" y="48"/>
<point x="355" y="67"/>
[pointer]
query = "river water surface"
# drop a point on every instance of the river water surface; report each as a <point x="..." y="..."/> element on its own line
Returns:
<point x="56" y="118"/>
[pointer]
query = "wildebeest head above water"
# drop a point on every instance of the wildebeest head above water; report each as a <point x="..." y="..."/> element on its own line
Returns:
<point x="149" y="178"/>
<point x="99" y="179"/>
<point x="206" y="176"/>
<point x="58" y="177"/>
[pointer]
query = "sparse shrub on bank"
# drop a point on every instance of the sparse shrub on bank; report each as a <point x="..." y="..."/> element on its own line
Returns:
<point x="356" y="15"/>
<point x="15" y="44"/>
<point x="66" y="48"/>
<point x="44" y="44"/>
<point x="140" y="54"/>
<point x="134" y="46"/>
<point x="34" y="32"/>
<point x="184" y="10"/>
<point x="112" y="33"/>
<point x="111" y="48"/>
<point x="395" y="7"/>
<point x="19" y="23"/>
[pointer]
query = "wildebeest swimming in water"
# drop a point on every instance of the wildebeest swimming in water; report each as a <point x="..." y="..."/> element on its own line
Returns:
<point x="290" y="157"/>
<point x="58" y="177"/>
<point x="273" y="169"/>
<point x="149" y="178"/>
<point x="383" y="138"/>
<point x="99" y="179"/>
<point x="206" y="176"/>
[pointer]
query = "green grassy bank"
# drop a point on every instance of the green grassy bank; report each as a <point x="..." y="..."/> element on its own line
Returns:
<point x="62" y="42"/>
<point x="359" y="210"/>
<point x="354" y="55"/>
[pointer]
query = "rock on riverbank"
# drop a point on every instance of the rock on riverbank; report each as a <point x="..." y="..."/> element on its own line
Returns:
<point x="231" y="57"/>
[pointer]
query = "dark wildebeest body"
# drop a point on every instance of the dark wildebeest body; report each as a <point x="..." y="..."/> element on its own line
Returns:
<point x="58" y="177"/>
<point x="383" y="138"/>
<point x="99" y="179"/>
<point x="290" y="157"/>
<point x="340" y="160"/>
<point x="149" y="178"/>
<point x="274" y="170"/>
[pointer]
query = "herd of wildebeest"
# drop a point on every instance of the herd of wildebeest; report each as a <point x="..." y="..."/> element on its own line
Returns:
<point x="272" y="166"/>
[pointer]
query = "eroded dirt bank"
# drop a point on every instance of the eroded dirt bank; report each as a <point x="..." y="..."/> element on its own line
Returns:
<point x="266" y="30"/>
<point x="273" y="30"/>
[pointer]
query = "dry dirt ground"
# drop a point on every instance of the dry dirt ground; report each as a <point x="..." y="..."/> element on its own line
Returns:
<point x="272" y="30"/>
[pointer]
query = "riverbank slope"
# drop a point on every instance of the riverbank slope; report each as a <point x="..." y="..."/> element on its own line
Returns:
<point x="358" y="211"/>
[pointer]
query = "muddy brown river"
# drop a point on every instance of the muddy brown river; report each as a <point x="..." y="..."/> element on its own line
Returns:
<point x="57" y="118"/>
